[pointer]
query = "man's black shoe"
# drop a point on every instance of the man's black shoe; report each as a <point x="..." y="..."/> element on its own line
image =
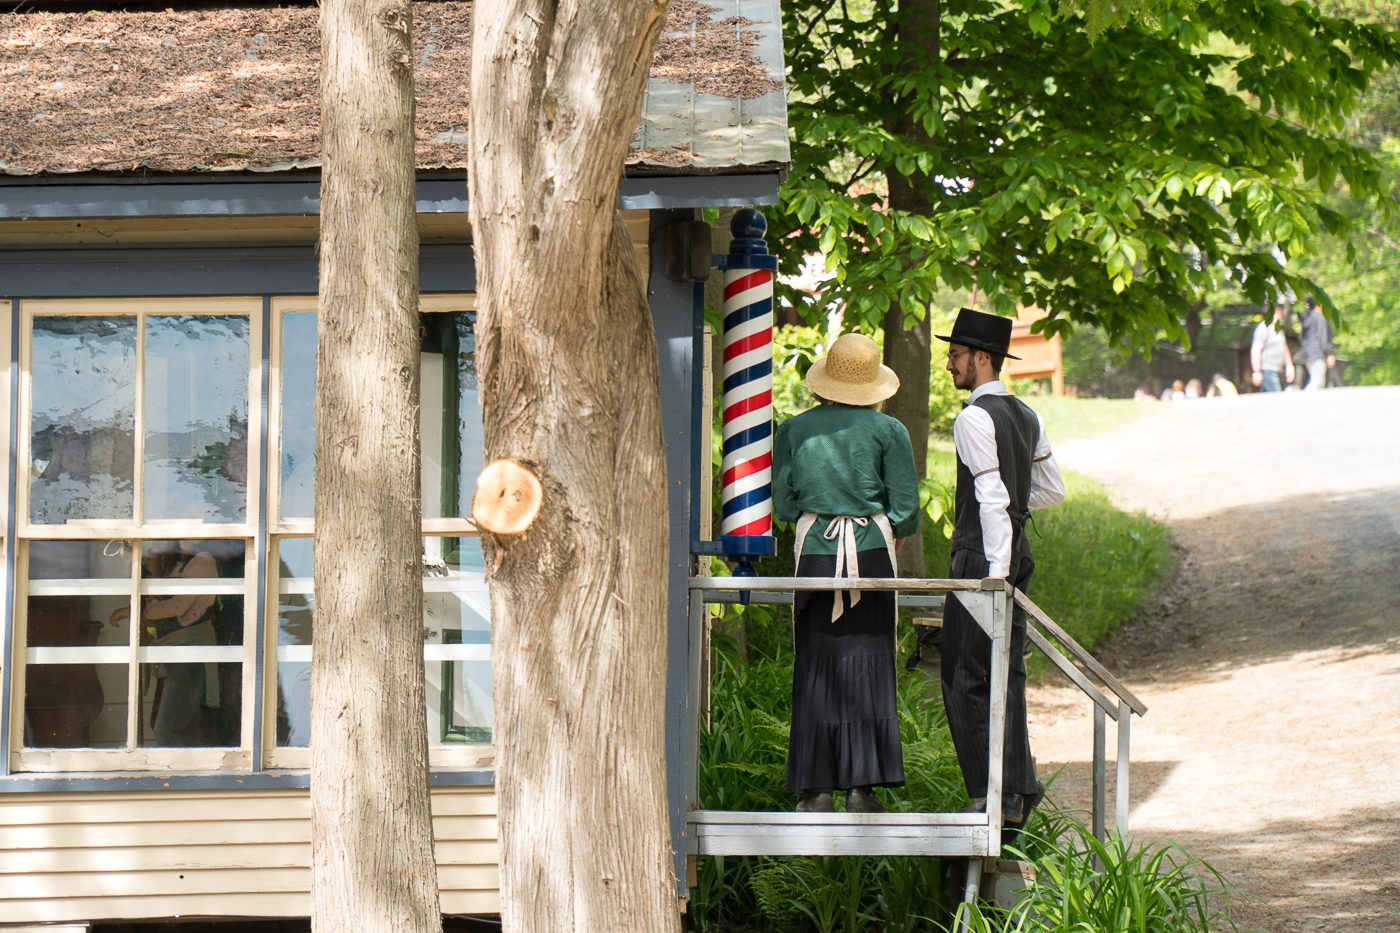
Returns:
<point x="816" y="802"/>
<point x="1012" y="806"/>
<point x="863" y="800"/>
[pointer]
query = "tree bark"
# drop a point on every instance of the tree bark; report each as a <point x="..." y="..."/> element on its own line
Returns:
<point x="908" y="351"/>
<point x="372" y="841"/>
<point x="569" y="378"/>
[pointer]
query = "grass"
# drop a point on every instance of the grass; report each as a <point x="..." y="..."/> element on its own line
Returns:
<point x="1069" y="418"/>
<point x="1094" y="563"/>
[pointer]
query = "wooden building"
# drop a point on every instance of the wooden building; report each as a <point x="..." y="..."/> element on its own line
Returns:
<point x="1039" y="355"/>
<point x="159" y="192"/>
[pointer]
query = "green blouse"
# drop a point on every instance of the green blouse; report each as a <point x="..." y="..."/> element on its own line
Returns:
<point x="844" y="460"/>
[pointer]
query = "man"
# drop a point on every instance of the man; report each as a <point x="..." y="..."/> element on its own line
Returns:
<point x="1268" y="355"/>
<point x="1317" y="351"/>
<point x="1005" y="470"/>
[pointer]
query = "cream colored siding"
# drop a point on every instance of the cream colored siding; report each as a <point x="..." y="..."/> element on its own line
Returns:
<point x="128" y="855"/>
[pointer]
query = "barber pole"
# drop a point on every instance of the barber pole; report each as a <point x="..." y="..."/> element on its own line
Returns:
<point x="746" y="494"/>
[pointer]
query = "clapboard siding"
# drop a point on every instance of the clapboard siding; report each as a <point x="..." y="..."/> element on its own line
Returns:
<point x="75" y="856"/>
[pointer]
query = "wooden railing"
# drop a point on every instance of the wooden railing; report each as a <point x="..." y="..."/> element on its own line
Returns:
<point x="975" y="836"/>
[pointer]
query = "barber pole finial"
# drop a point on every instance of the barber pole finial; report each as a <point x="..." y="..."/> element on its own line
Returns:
<point x="746" y="493"/>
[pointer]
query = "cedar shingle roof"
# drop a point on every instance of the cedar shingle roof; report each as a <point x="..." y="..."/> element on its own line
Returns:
<point x="236" y="90"/>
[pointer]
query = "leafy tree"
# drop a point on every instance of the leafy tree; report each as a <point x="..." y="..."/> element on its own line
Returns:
<point x="1111" y="178"/>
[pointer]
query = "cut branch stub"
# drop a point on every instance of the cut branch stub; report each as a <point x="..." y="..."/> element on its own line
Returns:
<point x="508" y="497"/>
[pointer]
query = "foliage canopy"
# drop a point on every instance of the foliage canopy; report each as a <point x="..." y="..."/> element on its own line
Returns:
<point x="1111" y="178"/>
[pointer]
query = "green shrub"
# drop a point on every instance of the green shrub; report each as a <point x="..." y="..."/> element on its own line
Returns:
<point x="1082" y="884"/>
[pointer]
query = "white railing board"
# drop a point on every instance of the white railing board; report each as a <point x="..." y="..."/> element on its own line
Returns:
<point x="956" y="841"/>
<point x="1087" y="659"/>
<point x="905" y="601"/>
<point x="1072" y="672"/>
<point x="781" y="818"/>
<point x="804" y="584"/>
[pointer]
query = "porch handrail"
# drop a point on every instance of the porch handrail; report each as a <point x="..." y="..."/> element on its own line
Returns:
<point x="1121" y="711"/>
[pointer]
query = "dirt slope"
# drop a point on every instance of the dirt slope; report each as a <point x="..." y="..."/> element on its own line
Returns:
<point x="1271" y="665"/>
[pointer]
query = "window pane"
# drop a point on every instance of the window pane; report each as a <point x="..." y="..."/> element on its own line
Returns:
<point x="191" y="630"/>
<point x="70" y="705"/>
<point x="78" y="610"/>
<point x="196" y="422"/>
<point x="298" y="414"/>
<point x="457" y="635"/>
<point x="450" y="414"/>
<point x="294" y="607"/>
<point x="82" y="426"/>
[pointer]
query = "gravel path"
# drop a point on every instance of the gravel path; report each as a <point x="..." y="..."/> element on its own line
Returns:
<point x="1271" y="664"/>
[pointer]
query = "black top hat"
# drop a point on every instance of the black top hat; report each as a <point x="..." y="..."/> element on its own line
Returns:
<point x="990" y="332"/>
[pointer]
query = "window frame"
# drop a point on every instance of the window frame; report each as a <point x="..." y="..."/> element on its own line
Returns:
<point x="299" y="757"/>
<point x="132" y="757"/>
<point x="262" y="532"/>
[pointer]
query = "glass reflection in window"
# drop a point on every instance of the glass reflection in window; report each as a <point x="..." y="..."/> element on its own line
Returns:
<point x="294" y="607"/>
<point x="298" y="369"/>
<point x="75" y="591"/>
<point x="191" y="694"/>
<point x="457" y="636"/>
<point x="82" y="427"/>
<point x="196" y="417"/>
<point x="450" y="414"/>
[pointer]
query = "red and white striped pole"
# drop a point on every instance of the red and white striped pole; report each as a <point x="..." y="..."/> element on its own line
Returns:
<point x="746" y="484"/>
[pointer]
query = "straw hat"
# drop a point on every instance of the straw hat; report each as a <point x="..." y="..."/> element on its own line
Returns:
<point x="851" y="373"/>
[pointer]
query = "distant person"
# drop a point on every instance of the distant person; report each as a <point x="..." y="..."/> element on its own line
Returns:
<point x="1220" y="387"/>
<point x="1175" y="392"/>
<point x="1270" y="362"/>
<point x="1193" y="389"/>
<point x="1144" y="394"/>
<point x="1317" y="352"/>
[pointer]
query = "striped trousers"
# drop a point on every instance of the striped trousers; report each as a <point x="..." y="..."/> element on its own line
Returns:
<point x="967" y="667"/>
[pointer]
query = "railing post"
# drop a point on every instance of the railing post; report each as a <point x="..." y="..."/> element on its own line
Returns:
<point x="1120" y="784"/>
<point x="1100" y="767"/>
<point x="696" y="650"/>
<point x="996" y="735"/>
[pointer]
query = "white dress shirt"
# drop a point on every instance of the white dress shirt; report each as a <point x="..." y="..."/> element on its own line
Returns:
<point x="975" y="437"/>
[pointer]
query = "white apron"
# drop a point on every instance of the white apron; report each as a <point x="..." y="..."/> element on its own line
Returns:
<point x="842" y="530"/>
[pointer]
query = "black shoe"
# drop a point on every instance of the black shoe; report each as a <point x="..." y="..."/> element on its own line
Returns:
<point x="863" y="800"/>
<point x="1012" y="806"/>
<point x="818" y="801"/>
<point x="1031" y="802"/>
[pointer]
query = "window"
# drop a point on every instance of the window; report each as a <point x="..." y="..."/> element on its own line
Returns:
<point x="137" y="562"/>
<point x="134" y="538"/>
<point x="457" y="633"/>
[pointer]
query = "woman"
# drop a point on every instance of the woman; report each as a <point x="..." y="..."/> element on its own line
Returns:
<point x="179" y="720"/>
<point x="844" y="473"/>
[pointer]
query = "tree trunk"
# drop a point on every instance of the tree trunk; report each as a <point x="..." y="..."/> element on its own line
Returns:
<point x="372" y="840"/>
<point x="908" y="351"/>
<point x="569" y="376"/>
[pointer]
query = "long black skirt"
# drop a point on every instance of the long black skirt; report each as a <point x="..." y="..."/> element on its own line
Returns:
<point x="845" y="722"/>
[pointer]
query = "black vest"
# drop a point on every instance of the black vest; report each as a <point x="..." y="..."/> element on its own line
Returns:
<point x="1018" y="433"/>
